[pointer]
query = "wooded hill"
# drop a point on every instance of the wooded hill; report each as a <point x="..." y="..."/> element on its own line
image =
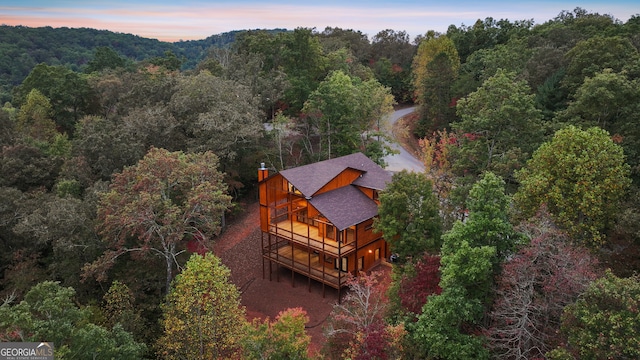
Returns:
<point x="22" y="48"/>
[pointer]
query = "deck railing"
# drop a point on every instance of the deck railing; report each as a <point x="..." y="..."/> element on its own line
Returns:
<point x="306" y="263"/>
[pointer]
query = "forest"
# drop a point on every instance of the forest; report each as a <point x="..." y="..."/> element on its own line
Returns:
<point x="122" y="158"/>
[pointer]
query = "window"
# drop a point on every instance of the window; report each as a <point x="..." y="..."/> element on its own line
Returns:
<point x="331" y="232"/>
<point x="292" y="189"/>
<point x="350" y="233"/>
<point x="361" y="263"/>
<point x="377" y="254"/>
<point x="344" y="264"/>
<point x="302" y="216"/>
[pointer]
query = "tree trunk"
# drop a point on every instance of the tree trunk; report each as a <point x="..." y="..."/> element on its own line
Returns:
<point x="168" y="255"/>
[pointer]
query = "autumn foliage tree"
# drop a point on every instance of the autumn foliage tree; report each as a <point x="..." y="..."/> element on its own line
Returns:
<point x="158" y="205"/>
<point x="435" y="152"/>
<point x="203" y="318"/>
<point x="415" y="291"/>
<point x="284" y="338"/>
<point x="356" y="328"/>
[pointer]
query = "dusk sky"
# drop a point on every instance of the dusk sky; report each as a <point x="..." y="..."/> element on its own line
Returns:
<point x="198" y="19"/>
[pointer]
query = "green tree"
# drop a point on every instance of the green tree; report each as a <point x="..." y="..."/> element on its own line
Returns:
<point x="69" y="93"/>
<point x="408" y="216"/>
<point x="49" y="312"/>
<point x="492" y="121"/>
<point x="345" y="109"/>
<point x="393" y="53"/>
<point x="34" y="117"/>
<point x="108" y="146"/>
<point x="486" y="34"/>
<point x="488" y="221"/>
<point x="203" y="318"/>
<point x="355" y="42"/>
<point x="217" y="115"/>
<point x="28" y="167"/>
<point x="611" y="101"/>
<point x="156" y="206"/>
<point x="581" y="176"/>
<point x="105" y="58"/>
<point x="303" y="60"/>
<point x="7" y="125"/>
<point x="431" y="46"/>
<point x="170" y="61"/>
<point x="62" y="229"/>
<point x="284" y="338"/>
<point x="436" y="106"/>
<point x="443" y="329"/>
<point x="471" y="253"/>
<point x="591" y="56"/>
<point x="604" y="323"/>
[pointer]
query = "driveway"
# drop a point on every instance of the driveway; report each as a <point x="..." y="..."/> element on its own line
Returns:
<point x="404" y="160"/>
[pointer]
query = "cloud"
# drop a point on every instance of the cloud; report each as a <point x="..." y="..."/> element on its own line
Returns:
<point x="190" y="21"/>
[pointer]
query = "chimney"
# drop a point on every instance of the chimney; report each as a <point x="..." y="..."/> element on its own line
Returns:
<point x="263" y="172"/>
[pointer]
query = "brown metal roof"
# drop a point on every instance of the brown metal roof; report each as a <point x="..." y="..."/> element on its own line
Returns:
<point x="345" y="206"/>
<point x="308" y="179"/>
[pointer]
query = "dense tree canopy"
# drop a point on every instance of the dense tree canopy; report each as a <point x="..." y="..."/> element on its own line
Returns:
<point x="48" y="312"/>
<point x="471" y="251"/>
<point x="492" y="121"/>
<point x="581" y="177"/>
<point x="604" y="322"/>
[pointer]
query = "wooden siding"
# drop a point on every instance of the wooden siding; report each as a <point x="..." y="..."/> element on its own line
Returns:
<point x="305" y="246"/>
<point x="365" y="233"/>
<point x="345" y="178"/>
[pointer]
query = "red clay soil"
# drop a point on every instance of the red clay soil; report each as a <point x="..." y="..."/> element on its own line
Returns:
<point x="239" y="248"/>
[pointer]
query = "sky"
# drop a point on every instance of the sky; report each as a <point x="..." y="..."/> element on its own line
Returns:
<point x="174" y="20"/>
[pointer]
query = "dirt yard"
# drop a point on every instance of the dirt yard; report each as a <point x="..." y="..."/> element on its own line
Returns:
<point x="239" y="249"/>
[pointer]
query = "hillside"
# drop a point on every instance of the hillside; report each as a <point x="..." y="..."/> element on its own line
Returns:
<point x="22" y="48"/>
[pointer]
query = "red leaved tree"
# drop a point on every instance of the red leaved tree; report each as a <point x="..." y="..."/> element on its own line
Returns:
<point x="422" y="282"/>
<point x="356" y="328"/>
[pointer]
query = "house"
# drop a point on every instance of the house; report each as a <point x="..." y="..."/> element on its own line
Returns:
<point x="317" y="219"/>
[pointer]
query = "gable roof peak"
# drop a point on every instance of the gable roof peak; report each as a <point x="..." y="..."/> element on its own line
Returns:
<point x="308" y="179"/>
